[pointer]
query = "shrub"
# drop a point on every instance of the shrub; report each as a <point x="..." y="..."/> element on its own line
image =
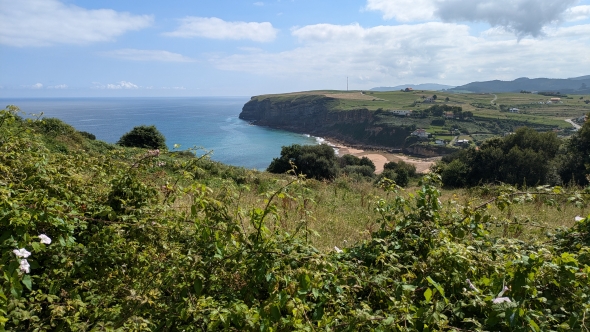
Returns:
<point x="88" y="135"/>
<point x="147" y="137"/>
<point x="315" y="161"/>
<point x="364" y="170"/>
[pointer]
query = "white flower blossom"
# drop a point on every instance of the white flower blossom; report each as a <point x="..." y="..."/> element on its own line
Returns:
<point x="24" y="266"/>
<point x="472" y="286"/>
<point x="21" y="253"/>
<point x="45" y="239"/>
<point x="153" y="153"/>
<point x="338" y="250"/>
<point x="578" y="218"/>
<point x="501" y="300"/>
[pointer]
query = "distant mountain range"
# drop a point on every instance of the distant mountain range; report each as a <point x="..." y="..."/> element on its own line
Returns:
<point x="576" y="85"/>
<point x="425" y="86"/>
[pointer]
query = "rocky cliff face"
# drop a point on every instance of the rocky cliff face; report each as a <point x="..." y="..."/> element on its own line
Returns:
<point x="308" y="114"/>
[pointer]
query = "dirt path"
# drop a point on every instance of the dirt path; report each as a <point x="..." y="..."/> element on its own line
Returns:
<point x="494" y="100"/>
<point x="571" y="121"/>
<point x="381" y="158"/>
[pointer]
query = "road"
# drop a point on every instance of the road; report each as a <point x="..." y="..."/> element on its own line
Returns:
<point x="570" y="121"/>
<point x="494" y="100"/>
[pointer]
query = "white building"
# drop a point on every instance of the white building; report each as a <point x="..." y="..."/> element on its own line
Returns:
<point x="420" y="133"/>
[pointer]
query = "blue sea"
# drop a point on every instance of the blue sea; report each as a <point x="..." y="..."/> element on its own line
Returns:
<point x="211" y="123"/>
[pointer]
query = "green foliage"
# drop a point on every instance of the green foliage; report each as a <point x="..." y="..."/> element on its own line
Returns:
<point x="147" y="137"/>
<point x="135" y="248"/>
<point x="315" y="161"/>
<point x="575" y="162"/>
<point x="521" y="158"/>
<point x="87" y="135"/>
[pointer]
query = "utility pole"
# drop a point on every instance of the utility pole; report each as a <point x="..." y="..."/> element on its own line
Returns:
<point x="346" y="83"/>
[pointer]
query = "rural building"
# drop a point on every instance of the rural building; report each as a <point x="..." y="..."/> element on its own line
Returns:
<point x="449" y="115"/>
<point x="409" y="90"/>
<point x="555" y="100"/>
<point x="462" y="142"/>
<point x="428" y="100"/>
<point x="514" y="110"/>
<point x="402" y="112"/>
<point x="439" y="142"/>
<point x="421" y="133"/>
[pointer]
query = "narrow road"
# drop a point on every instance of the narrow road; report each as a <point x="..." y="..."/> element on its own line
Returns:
<point x="570" y="121"/>
<point x="494" y="100"/>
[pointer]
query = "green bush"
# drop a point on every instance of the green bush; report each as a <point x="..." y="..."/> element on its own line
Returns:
<point x="522" y="158"/>
<point x="316" y="161"/>
<point x="147" y="137"/>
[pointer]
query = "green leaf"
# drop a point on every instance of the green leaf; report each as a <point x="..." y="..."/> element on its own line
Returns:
<point x="428" y="294"/>
<point x="198" y="286"/>
<point x="438" y="287"/>
<point x="28" y="282"/>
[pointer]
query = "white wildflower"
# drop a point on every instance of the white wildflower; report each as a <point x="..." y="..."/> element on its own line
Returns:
<point x="338" y="250"/>
<point x="501" y="300"/>
<point x="502" y="292"/>
<point x="45" y="239"/>
<point x="21" y="253"/>
<point x="472" y="286"/>
<point x="153" y="153"/>
<point x="578" y="218"/>
<point x="24" y="266"/>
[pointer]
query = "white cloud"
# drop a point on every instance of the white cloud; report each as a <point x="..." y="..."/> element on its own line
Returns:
<point x="419" y="53"/>
<point x="522" y="17"/>
<point x="578" y="13"/>
<point x="147" y="55"/>
<point x="122" y="85"/>
<point x="117" y="86"/>
<point x="49" y="22"/>
<point x="259" y="3"/>
<point x="404" y="10"/>
<point x="59" y="86"/>
<point x="216" y="28"/>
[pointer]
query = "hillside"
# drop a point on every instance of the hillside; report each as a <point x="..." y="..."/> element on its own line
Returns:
<point x="99" y="237"/>
<point x="366" y="118"/>
<point x="579" y="85"/>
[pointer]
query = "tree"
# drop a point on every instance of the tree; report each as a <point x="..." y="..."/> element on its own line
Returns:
<point x="315" y="161"/>
<point x="147" y="137"/>
<point x="434" y="97"/>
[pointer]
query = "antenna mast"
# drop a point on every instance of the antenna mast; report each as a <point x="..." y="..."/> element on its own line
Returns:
<point x="346" y="83"/>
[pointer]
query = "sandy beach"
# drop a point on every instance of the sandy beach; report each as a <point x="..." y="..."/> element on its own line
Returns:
<point x="380" y="158"/>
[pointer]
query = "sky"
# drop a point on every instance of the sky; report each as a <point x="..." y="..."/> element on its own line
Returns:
<point x="136" y="48"/>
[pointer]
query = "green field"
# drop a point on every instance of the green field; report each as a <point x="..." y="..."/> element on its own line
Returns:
<point x="488" y="119"/>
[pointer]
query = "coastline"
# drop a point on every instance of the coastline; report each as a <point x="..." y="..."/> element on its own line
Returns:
<point x="378" y="156"/>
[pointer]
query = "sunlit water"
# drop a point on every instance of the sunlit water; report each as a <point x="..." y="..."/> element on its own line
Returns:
<point x="209" y="122"/>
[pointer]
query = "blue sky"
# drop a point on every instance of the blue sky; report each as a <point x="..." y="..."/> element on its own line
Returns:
<point x="77" y="48"/>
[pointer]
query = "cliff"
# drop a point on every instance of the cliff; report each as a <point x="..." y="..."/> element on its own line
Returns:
<point x="305" y="113"/>
<point x="318" y="115"/>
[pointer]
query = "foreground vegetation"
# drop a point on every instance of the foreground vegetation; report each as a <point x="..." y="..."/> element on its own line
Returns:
<point x="117" y="238"/>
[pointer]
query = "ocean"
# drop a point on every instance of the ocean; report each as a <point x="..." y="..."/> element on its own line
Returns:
<point x="210" y="123"/>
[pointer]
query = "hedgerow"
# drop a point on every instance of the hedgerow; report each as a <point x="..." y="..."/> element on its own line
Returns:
<point x="131" y="239"/>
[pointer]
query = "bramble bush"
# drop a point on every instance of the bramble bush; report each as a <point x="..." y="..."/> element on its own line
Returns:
<point x="112" y="243"/>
